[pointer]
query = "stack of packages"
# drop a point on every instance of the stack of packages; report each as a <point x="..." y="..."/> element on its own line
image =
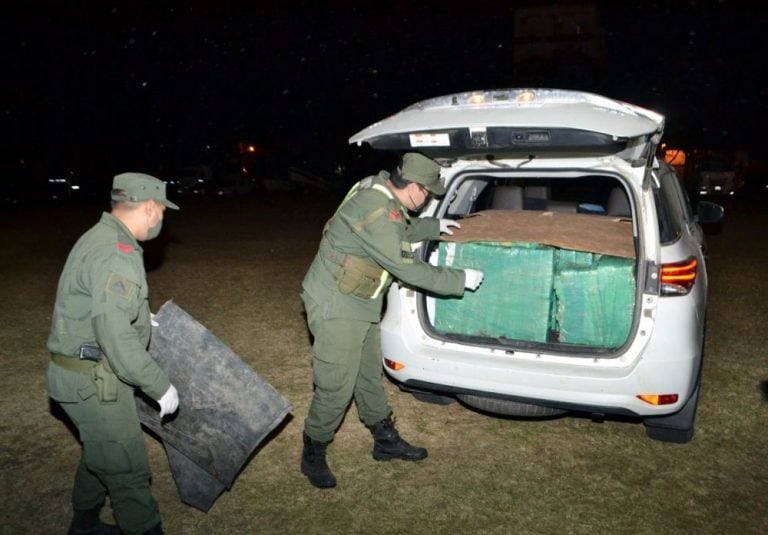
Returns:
<point x="565" y="278"/>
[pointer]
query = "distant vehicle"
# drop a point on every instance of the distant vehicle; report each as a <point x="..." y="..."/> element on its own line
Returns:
<point x="71" y="186"/>
<point x="194" y="180"/>
<point x="61" y="187"/>
<point x="714" y="173"/>
<point x="236" y="186"/>
<point x="595" y="287"/>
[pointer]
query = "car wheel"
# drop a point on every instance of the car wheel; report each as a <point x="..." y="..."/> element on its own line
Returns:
<point x="508" y="407"/>
<point x="676" y="427"/>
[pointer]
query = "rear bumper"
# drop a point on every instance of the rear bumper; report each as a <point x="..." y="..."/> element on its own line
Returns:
<point x="668" y="364"/>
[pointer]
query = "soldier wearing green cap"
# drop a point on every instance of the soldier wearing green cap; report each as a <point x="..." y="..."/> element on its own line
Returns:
<point x="98" y="342"/>
<point x="365" y="245"/>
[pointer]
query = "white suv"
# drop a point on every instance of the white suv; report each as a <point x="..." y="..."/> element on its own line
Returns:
<point x="595" y="284"/>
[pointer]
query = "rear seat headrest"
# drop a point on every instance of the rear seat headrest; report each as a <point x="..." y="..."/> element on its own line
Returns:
<point x="618" y="203"/>
<point x="507" y="198"/>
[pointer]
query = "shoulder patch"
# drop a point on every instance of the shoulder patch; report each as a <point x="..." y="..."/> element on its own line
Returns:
<point x="120" y="286"/>
<point x="395" y="215"/>
<point x="124" y="247"/>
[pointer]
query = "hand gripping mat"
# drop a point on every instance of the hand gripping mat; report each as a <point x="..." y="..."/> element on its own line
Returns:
<point x="225" y="408"/>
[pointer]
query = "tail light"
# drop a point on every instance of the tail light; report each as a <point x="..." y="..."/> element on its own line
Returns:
<point x="393" y="365"/>
<point x="659" y="399"/>
<point x="678" y="278"/>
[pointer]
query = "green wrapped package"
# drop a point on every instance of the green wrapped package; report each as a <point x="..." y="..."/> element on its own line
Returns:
<point x="570" y="259"/>
<point x="514" y="299"/>
<point x="536" y="293"/>
<point x="566" y="259"/>
<point x="595" y="303"/>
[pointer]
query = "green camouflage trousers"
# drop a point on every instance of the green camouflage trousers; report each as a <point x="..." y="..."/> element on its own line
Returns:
<point x="346" y="362"/>
<point x="114" y="461"/>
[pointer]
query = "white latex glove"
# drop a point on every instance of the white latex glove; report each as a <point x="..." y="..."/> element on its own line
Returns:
<point x="169" y="402"/>
<point x="472" y="278"/>
<point x="446" y="224"/>
<point x="152" y="320"/>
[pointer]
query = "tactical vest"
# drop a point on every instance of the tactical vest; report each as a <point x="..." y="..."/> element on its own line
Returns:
<point x="355" y="275"/>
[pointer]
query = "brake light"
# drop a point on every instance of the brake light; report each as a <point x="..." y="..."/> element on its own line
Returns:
<point x="678" y="278"/>
<point x="393" y="365"/>
<point x="659" y="399"/>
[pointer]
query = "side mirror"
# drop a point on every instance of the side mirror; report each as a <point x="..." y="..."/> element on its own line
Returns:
<point x="709" y="213"/>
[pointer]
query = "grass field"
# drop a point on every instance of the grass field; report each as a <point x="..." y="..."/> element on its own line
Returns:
<point x="237" y="266"/>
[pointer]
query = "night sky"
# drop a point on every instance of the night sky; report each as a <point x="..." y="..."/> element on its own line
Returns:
<point x="104" y="87"/>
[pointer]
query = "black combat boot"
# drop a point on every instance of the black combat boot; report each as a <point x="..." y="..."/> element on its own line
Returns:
<point x="388" y="444"/>
<point x="314" y="465"/>
<point x="86" y="522"/>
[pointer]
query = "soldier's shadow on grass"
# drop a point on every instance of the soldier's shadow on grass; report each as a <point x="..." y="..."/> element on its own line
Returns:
<point x="763" y="387"/>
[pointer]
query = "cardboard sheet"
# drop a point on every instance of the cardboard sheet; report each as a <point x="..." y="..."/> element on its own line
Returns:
<point x="580" y="232"/>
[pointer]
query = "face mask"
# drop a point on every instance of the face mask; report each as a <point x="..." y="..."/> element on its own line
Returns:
<point x="154" y="231"/>
<point x="414" y="206"/>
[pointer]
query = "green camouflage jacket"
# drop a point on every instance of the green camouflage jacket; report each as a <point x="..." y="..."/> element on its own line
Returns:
<point x="102" y="299"/>
<point x="364" y="246"/>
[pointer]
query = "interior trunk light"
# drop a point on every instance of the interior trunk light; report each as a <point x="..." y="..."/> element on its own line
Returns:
<point x="392" y="365"/>
<point x="678" y="278"/>
<point x="659" y="399"/>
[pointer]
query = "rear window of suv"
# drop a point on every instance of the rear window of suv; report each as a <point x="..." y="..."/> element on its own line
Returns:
<point x="671" y="206"/>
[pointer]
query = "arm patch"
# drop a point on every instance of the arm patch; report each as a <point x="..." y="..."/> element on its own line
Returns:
<point x="373" y="216"/>
<point x="120" y="286"/>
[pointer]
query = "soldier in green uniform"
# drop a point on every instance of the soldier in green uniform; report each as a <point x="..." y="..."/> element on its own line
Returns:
<point x="364" y="246"/>
<point x="99" y="336"/>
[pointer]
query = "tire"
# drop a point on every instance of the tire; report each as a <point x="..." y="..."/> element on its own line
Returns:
<point x="508" y="407"/>
<point x="677" y="428"/>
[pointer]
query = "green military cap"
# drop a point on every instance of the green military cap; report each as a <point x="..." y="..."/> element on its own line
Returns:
<point x="418" y="168"/>
<point x="139" y="187"/>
